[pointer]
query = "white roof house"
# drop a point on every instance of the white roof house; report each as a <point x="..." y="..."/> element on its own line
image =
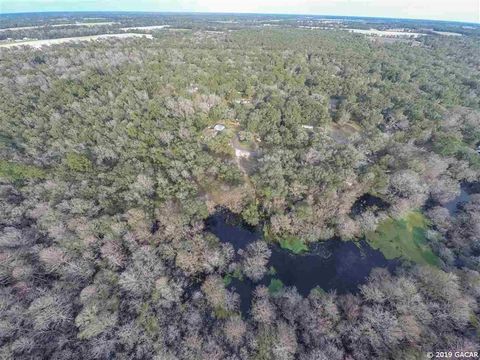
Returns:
<point x="219" y="127"/>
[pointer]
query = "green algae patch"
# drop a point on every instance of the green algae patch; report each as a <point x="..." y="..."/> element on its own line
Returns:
<point x="293" y="244"/>
<point x="404" y="238"/>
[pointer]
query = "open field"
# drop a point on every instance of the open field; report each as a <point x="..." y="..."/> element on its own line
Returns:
<point x="447" y="33"/>
<point x="21" y="28"/>
<point x="87" y="24"/>
<point x="146" y="28"/>
<point x="384" y="33"/>
<point x="47" y="42"/>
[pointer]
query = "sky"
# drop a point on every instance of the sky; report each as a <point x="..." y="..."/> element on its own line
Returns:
<point x="457" y="10"/>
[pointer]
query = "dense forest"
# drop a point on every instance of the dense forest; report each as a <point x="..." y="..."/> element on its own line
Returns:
<point x="114" y="153"/>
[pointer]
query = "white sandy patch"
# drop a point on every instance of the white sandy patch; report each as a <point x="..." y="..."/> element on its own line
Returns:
<point x="47" y="42"/>
<point x="153" y="27"/>
<point x="240" y="153"/>
<point x="447" y="33"/>
<point x="59" y="25"/>
<point x="20" y="28"/>
<point x="384" y="33"/>
<point x="88" y="24"/>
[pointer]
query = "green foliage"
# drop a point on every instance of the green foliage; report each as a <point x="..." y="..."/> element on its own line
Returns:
<point x="221" y="145"/>
<point x="379" y="180"/>
<point x="303" y="211"/>
<point x="471" y="156"/>
<point x="237" y="274"/>
<point x="222" y="313"/>
<point x="448" y="144"/>
<point x="92" y="321"/>
<point x="271" y="271"/>
<point x="275" y="286"/>
<point x="453" y="145"/>
<point x="250" y="214"/>
<point x="265" y="342"/>
<point x="472" y="135"/>
<point x="12" y="171"/>
<point x="227" y="279"/>
<point x="475" y="323"/>
<point x="230" y="174"/>
<point x="318" y="291"/>
<point x="78" y="162"/>
<point x="147" y="320"/>
<point x="404" y="238"/>
<point x="195" y="208"/>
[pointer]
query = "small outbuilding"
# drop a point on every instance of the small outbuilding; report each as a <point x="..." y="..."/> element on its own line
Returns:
<point x="219" y="127"/>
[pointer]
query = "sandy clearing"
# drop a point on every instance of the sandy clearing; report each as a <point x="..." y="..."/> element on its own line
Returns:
<point x="88" y="24"/>
<point x="240" y="153"/>
<point x="59" y="25"/>
<point x="384" y="33"/>
<point x="153" y="27"/>
<point x="447" y="33"/>
<point x="20" y="28"/>
<point x="47" y="42"/>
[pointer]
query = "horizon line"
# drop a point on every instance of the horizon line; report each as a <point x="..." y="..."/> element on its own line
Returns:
<point x="235" y="13"/>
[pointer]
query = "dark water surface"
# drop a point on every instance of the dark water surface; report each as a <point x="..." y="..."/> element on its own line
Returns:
<point x="229" y="229"/>
<point x="331" y="265"/>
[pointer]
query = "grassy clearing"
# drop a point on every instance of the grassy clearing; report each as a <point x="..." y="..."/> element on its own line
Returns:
<point x="47" y="42"/>
<point x="404" y="238"/>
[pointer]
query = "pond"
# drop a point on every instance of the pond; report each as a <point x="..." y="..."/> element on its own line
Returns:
<point x="331" y="265"/>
